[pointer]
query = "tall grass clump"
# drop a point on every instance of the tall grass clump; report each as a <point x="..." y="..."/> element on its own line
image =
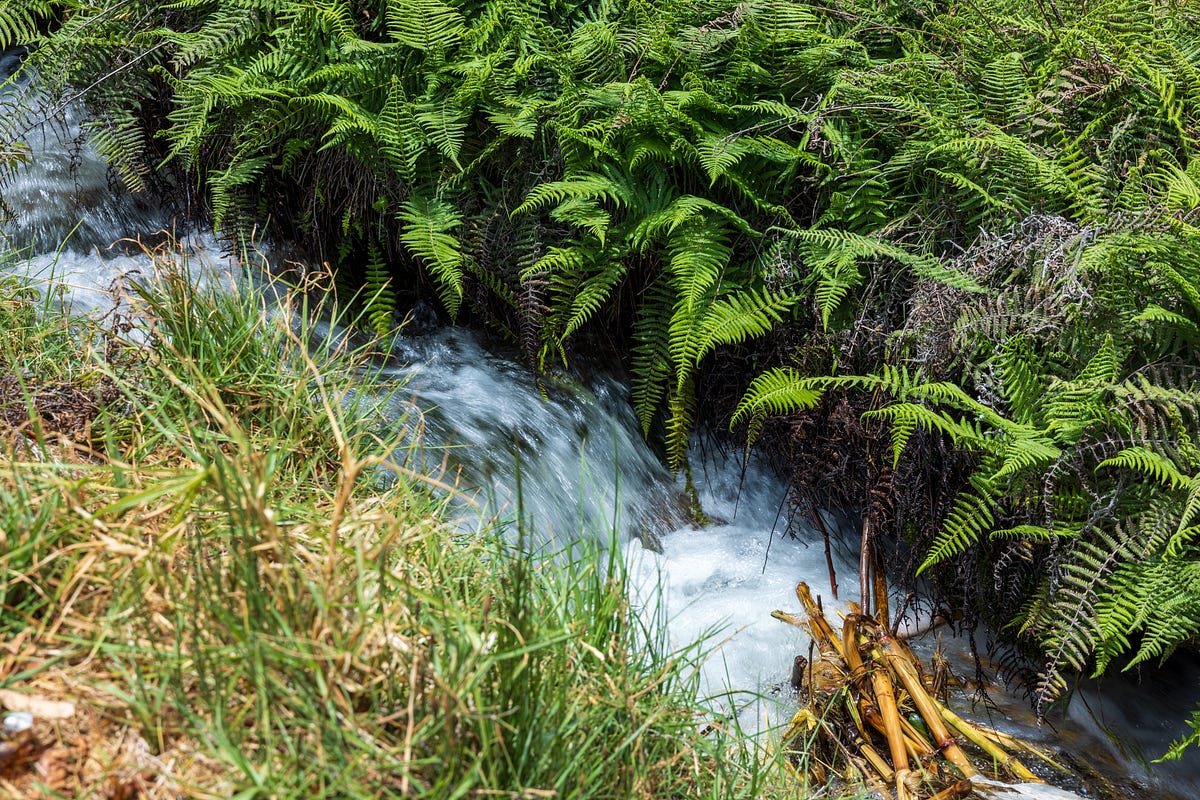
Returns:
<point x="212" y="563"/>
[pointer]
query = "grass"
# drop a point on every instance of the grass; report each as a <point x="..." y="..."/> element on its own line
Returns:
<point x="199" y="551"/>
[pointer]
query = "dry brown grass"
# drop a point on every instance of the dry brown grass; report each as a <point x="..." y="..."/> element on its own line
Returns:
<point x="98" y="749"/>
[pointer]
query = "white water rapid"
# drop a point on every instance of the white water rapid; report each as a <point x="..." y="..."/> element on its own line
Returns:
<point x="584" y="465"/>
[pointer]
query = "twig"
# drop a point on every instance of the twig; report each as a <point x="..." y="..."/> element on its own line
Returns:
<point x="828" y="552"/>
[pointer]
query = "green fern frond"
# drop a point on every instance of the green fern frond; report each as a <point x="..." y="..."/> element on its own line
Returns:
<point x="659" y="224"/>
<point x="589" y="186"/>
<point x="742" y="316"/>
<point x="427" y="224"/>
<point x="424" y="24"/>
<point x="651" y="356"/>
<point x="380" y="296"/>
<point x="1175" y="322"/>
<point x="699" y="252"/>
<point x="1023" y="382"/>
<point x="1003" y="86"/>
<point x="445" y="124"/>
<point x="681" y="411"/>
<point x="20" y="22"/>
<point x="1031" y="533"/>
<point x="779" y="391"/>
<point x="1104" y="366"/>
<point x="912" y="415"/>
<point x="1191" y="506"/>
<point x="1185" y="742"/>
<point x="590" y="293"/>
<point x="1152" y="465"/>
<point x="1029" y="453"/>
<point x="972" y="515"/>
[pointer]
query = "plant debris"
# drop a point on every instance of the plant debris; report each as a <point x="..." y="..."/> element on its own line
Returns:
<point x="869" y="717"/>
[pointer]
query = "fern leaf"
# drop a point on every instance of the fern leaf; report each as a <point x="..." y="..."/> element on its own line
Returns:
<point x="427" y="226"/>
<point x="591" y="186"/>
<point x="380" y="296"/>
<point x="446" y="124"/>
<point x="733" y="320"/>
<point x="1148" y="463"/>
<point x="651" y="363"/>
<point x="779" y="391"/>
<point x="20" y="22"/>
<point x="424" y="24"/>
<point x="971" y="515"/>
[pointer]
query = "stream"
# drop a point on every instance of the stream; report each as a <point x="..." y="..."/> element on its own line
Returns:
<point x="585" y="467"/>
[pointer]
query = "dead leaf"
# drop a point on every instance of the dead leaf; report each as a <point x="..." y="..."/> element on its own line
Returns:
<point x="38" y="706"/>
<point x="124" y="789"/>
<point x="54" y="767"/>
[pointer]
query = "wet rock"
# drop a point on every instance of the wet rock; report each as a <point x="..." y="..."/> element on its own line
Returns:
<point x="11" y="60"/>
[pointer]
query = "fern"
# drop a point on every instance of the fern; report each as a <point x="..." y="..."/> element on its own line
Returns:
<point x="21" y="22"/>
<point x="969" y="519"/>
<point x="427" y="225"/>
<point x="424" y="24"/>
<point x="380" y="296"/>
<point x="1146" y="462"/>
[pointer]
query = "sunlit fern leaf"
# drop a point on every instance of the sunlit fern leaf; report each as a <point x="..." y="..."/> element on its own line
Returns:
<point x="1185" y="742"/>
<point x="379" y="293"/>
<point x="1023" y="378"/>
<point x="229" y="185"/>
<point x="970" y="187"/>
<point x="1182" y="541"/>
<point x="1191" y="508"/>
<point x="522" y="123"/>
<point x="659" y="224"/>
<point x="719" y="154"/>
<point x="558" y="259"/>
<point x="1180" y="191"/>
<point x="1174" y="322"/>
<point x="1031" y="533"/>
<point x="595" y="48"/>
<point x="1029" y="454"/>
<point x="424" y="24"/>
<point x="1148" y="463"/>
<point x="838" y="251"/>
<point x="580" y="186"/>
<point x="836" y="274"/>
<point x="1170" y="588"/>
<point x="120" y="141"/>
<point x="775" y="23"/>
<point x="20" y="21"/>
<point x="912" y="415"/>
<point x="651" y="356"/>
<point x="1171" y="106"/>
<point x="681" y="411"/>
<point x="778" y="391"/>
<point x="584" y="213"/>
<point x="1003" y="87"/>
<point x="699" y="252"/>
<point x="223" y="32"/>
<point x="1104" y="366"/>
<point x="445" y="124"/>
<point x="738" y="317"/>
<point x="971" y="516"/>
<point x="428" y="223"/>
<point x="592" y="291"/>
<point x="1184" y="284"/>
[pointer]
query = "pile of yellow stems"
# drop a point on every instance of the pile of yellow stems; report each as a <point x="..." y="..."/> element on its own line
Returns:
<point x="873" y="675"/>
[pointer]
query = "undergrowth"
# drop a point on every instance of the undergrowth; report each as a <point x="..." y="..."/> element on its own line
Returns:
<point x="249" y="593"/>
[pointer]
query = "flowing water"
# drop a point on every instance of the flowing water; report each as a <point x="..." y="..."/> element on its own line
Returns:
<point x="583" y="467"/>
